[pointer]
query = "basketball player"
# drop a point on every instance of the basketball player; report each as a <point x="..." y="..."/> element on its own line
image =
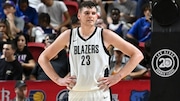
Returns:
<point x="89" y="58"/>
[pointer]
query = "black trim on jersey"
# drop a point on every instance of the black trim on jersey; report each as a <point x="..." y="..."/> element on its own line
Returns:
<point x="70" y="38"/>
<point x="89" y="36"/>
<point x="69" y="49"/>
<point x="106" y="73"/>
<point x="105" y="49"/>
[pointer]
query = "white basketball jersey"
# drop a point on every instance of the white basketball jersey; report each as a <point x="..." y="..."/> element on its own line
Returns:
<point x="88" y="59"/>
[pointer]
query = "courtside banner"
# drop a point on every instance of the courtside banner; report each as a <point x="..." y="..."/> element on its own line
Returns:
<point x="49" y="91"/>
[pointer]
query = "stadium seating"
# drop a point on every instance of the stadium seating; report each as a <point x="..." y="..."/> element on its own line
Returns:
<point x="36" y="49"/>
<point x="72" y="7"/>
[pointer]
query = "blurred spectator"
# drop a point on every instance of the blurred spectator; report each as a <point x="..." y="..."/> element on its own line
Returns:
<point x="75" y="21"/>
<point x="21" y="91"/>
<point x="139" y="11"/>
<point x="120" y="60"/>
<point x="5" y="30"/>
<point x="24" y="56"/>
<point x="49" y="37"/>
<point x="100" y="23"/>
<point x="59" y="62"/>
<point x="10" y="68"/>
<point x="39" y="32"/>
<point x="16" y="23"/>
<point x="34" y="3"/>
<point x="127" y="8"/>
<point x="1" y="9"/>
<point x="117" y="26"/>
<point x="57" y="10"/>
<point x="2" y="15"/>
<point x="30" y="15"/>
<point x="5" y="33"/>
<point x="141" y="30"/>
<point x="15" y="1"/>
<point x="101" y="10"/>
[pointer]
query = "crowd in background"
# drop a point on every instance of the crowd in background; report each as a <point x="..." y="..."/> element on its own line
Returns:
<point x="42" y="21"/>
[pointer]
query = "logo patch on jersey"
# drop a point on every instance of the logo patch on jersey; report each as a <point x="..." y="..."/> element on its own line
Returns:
<point x="165" y="63"/>
<point x="86" y="49"/>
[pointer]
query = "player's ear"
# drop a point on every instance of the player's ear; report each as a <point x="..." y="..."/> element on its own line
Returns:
<point x="97" y="16"/>
<point x="78" y="17"/>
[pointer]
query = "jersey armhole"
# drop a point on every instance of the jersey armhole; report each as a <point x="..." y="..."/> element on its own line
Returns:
<point x="105" y="49"/>
<point x="70" y="38"/>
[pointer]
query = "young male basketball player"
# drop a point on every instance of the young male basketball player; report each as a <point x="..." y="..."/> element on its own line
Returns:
<point x="89" y="58"/>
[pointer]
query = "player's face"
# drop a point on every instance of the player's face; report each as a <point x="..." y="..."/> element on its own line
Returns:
<point x="88" y="16"/>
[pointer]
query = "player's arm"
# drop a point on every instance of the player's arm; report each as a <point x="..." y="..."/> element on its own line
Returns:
<point x="110" y="38"/>
<point x="49" y="53"/>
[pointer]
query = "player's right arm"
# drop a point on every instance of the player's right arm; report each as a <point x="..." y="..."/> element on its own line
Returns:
<point x="49" y="53"/>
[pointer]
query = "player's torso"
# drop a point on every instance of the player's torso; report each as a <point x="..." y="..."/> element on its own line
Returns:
<point x="88" y="59"/>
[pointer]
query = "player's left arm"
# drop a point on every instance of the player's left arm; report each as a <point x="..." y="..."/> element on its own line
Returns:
<point x="110" y="38"/>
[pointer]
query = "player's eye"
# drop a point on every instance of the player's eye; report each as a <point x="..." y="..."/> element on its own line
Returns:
<point x="93" y="13"/>
<point x="86" y="13"/>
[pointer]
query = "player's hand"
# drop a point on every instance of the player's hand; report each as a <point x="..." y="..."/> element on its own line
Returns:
<point x="68" y="81"/>
<point x="103" y="85"/>
<point x="106" y="82"/>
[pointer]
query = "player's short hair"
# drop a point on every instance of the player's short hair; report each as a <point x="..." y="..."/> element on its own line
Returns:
<point x="88" y="4"/>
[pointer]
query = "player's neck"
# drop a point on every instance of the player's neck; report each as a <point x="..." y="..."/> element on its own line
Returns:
<point x="86" y="31"/>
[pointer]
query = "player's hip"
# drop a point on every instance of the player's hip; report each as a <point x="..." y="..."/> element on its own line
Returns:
<point x="94" y="95"/>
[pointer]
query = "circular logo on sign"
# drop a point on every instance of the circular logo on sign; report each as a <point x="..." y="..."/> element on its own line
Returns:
<point x="165" y="63"/>
<point x="62" y="95"/>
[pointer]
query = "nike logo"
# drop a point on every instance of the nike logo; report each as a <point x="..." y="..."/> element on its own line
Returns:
<point x="105" y="97"/>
